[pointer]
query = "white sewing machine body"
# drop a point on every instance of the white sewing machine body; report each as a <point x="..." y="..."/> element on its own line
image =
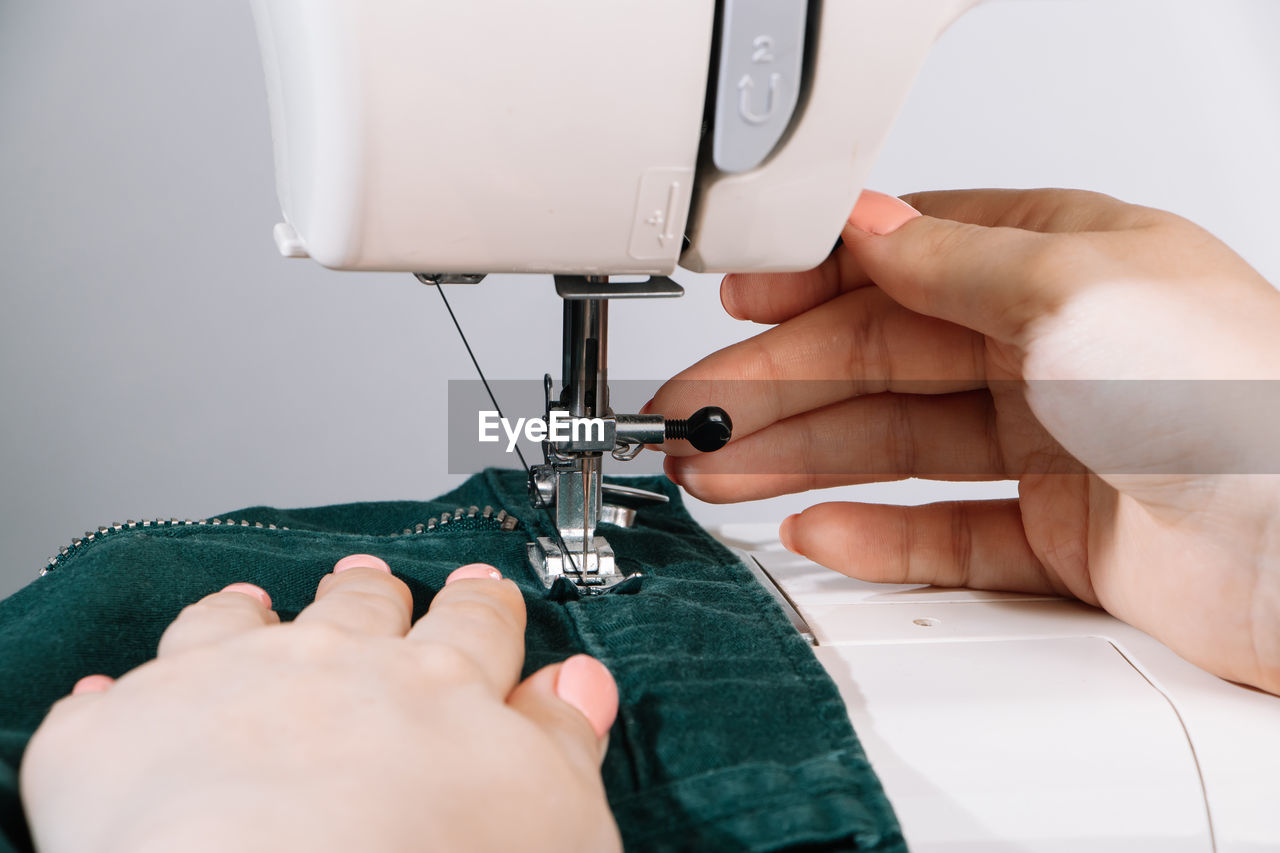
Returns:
<point x="1003" y="721"/>
<point x="589" y="138"/>
<point x="564" y="137"/>
<point x="593" y="140"/>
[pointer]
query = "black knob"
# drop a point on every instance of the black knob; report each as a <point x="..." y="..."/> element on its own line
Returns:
<point x="708" y="429"/>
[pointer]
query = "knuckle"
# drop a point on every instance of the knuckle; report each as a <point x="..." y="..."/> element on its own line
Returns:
<point x="1053" y="266"/>
<point x="866" y="360"/>
<point x="446" y="664"/>
<point x="961" y="526"/>
<point x="365" y="607"/>
<point x="903" y="533"/>
<point x="1073" y="198"/>
<point x="990" y="426"/>
<point x="757" y="360"/>
<point x="485" y="611"/>
<point x="833" y="272"/>
<point x="312" y="640"/>
<point x="1044" y="259"/>
<point x="899" y="434"/>
<point x="947" y="241"/>
<point x="807" y="446"/>
<point x="193" y="620"/>
<point x="1061" y="210"/>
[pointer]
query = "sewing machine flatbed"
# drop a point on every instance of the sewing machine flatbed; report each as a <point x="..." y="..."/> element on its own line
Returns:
<point x="1010" y="722"/>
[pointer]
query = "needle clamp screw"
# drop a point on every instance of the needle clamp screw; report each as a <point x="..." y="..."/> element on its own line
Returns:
<point x="707" y="429"/>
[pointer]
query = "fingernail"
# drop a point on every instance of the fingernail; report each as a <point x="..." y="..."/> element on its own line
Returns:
<point x="587" y="685"/>
<point x="92" y="684"/>
<point x="252" y="590"/>
<point x="786" y="531"/>
<point x="878" y="213"/>
<point x="473" y="571"/>
<point x="361" y="561"/>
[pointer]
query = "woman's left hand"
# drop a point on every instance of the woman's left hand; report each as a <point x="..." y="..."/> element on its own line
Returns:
<point x="346" y="729"/>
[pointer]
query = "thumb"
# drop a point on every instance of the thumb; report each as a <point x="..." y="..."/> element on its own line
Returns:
<point x="575" y="702"/>
<point x="995" y="280"/>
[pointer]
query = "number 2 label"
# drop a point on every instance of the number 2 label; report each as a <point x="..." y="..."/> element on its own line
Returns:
<point x="763" y="49"/>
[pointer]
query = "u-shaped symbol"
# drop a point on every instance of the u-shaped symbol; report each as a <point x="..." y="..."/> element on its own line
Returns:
<point x="745" y="87"/>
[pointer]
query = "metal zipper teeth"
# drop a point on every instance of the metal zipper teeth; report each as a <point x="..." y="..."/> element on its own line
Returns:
<point x="502" y="518"/>
<point x="149" y="524"/>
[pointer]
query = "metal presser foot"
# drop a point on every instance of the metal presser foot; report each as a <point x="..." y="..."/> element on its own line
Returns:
<point x="570" y="479"/>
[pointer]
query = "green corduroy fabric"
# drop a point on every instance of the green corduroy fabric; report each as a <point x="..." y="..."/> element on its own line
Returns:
<point x="730" y="735"/>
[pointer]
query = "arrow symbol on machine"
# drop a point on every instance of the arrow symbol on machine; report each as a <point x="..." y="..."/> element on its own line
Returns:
<point x="745" y="87"/>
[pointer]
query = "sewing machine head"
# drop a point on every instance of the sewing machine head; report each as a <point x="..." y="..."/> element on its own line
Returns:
<point x="586" y="140"/>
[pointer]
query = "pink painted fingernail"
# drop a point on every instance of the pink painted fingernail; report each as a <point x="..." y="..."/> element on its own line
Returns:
<point x="93" y="684"/>
<point x="878" y="213"/>
<point x="361" y="561"/>
<point x="786" y="532"/>
<point x="251" y="590"/>
<point x="473" y="571"/>
<point x="587" y="685"/>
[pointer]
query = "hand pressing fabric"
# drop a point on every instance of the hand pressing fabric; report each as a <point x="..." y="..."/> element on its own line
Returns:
<point x="980" y="341"/>
<point x="385" y="736"/>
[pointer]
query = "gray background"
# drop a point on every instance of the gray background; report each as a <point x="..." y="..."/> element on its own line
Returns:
<point x="157" y="358"/>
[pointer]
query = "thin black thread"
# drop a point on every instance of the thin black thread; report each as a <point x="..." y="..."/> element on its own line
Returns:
<point x="564" y="549"/>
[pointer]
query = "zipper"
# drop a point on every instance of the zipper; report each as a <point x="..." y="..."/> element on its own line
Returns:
<point x="150" y="524"/>
<point x="462" y="518"/>
<point x="469" y="518"/>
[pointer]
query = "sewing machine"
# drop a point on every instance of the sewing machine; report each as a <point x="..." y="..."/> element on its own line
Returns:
<point x="595" y="140"/>
<point x="612" y="139"/>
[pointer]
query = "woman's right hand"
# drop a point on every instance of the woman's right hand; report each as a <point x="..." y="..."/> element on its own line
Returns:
<point x="986" y="340"/>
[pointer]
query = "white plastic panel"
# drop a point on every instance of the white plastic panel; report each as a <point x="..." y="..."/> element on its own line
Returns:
<point x="487" y="135"/>
<point x="1039" y="746"/>
<point x="787" y="213"/>
<point x="1029" y="676"/>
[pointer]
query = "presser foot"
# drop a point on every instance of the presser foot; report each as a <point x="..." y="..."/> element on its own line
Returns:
<point x="599" y="573"/>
